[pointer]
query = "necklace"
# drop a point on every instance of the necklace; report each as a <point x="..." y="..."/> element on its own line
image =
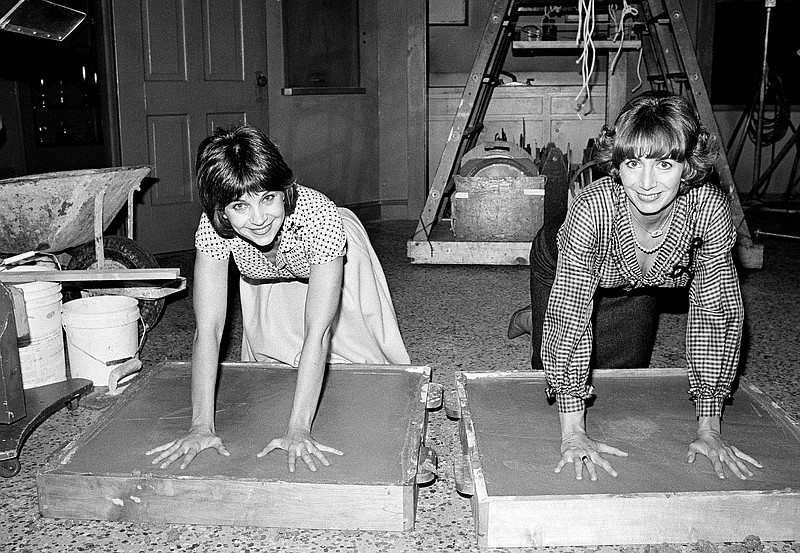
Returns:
<point x="654" y="234"/>
<point x="660" y="230"/>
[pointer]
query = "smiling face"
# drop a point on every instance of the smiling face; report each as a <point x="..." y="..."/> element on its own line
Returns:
<point x="651" y="184"/>
<point x="257" y="217"/>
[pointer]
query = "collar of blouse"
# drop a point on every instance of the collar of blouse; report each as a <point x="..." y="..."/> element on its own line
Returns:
<point x="676" y="244"/>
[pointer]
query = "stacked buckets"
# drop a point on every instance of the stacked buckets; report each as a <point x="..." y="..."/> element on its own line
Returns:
<point x="101" y="332"/>
<point x="41" y="352"/>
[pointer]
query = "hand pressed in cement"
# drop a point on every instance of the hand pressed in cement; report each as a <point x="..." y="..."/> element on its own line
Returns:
<point x="300" y="443"/>
<point x="188" y="446"/>
<point x="711" y="444"/>
<point x="582" y="451"/>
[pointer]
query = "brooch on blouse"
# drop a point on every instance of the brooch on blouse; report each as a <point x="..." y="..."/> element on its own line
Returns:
<point x="688" y="269"/>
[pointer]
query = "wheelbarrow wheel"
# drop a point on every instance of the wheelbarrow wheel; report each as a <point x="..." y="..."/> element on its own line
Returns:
<point x="124" y="253"/>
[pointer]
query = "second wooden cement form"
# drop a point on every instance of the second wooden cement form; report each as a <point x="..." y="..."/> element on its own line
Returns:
<point x="510" y="440"/>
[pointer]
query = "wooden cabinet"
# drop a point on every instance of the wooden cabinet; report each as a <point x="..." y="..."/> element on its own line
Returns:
<point x="532" y="115"/>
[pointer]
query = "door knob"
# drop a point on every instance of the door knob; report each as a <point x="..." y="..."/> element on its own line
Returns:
<point x="261" y="83"/>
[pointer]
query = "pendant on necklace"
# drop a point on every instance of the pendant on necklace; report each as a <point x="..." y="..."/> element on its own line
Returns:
<point x="656" y="234"/>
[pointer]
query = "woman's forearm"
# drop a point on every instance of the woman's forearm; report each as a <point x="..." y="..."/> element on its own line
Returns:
<point x="210" y="307"/>
<point x="205" y="361"/>
<point x="572" y="423"/>
<point x="322" y="304"/>
<point x="310" y="373"/>
<point x="709" y="424"/>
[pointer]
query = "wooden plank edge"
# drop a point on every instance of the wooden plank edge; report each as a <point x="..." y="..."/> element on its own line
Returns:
<point x="632" y="519"/>
<point x="89" y="275"/>
<point x="604" y="373"/>
<point x="468" y="253"/>
<point x="479" y="499"/>
<point x="233" y="502"/>
<point x="415" y="432"/>
<point x="257" y="365"/>
<point x="572" y="45"/>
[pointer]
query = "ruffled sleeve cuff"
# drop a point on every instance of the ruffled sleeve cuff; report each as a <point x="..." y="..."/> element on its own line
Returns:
<point x="570" y="403"/>
<point x="708" y="401"/>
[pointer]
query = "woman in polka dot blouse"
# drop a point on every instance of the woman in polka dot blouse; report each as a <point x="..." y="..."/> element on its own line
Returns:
<point x="312" y="289"/>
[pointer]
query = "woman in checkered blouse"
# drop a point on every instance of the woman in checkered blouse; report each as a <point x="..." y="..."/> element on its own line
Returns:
<point x="312" y="289"/>
<point x="655" y="221"/>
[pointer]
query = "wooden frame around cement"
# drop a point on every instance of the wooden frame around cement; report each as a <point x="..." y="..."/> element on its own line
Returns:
<point x="177" y="499"/>
<point x="595" y="519"/>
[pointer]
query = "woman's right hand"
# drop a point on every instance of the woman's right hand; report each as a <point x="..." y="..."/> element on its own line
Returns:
<point x="188" y="447"/>
<point x="580" y="450"/>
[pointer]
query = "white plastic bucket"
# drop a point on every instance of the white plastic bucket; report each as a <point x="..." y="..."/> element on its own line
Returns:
<point x="41" y="353"/>
<point x="100" y="329"/>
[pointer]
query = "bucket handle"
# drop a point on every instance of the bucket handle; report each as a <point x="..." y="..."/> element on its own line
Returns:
<point x="142" y="340"/>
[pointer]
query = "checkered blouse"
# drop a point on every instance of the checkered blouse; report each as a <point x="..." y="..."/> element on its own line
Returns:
<point x="597" y="248"/>
<point x="312" y="235"/>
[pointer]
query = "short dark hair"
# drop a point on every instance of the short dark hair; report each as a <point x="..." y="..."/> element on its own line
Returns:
<point x="659" y="125"/>
<point x="239" y="161"/>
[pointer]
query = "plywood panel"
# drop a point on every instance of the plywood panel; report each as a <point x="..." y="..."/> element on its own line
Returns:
<point x="511" y="439"/>
<point x="375" y="414"/>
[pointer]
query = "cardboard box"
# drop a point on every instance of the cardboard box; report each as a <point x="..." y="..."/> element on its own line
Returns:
<point x="501" y="209"/>
<point x="510" y="439"/>
<point x="375" y="414"/>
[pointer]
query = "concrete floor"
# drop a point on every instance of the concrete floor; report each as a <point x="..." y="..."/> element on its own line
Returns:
<point x="453" y="318"/>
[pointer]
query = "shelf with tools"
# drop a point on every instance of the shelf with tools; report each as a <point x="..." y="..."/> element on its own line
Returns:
<point x="656" y="30"/>
<point x="522" y="45"/>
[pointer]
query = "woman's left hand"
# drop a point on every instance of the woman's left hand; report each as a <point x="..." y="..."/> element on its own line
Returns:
<point x="712" y="445"/>
<point x="300" y="444"/>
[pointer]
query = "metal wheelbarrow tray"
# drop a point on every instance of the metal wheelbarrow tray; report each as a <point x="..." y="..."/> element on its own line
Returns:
<point x="375" y="414"/>
<point x="53" y="212"/>
<point x="67" y="212"/>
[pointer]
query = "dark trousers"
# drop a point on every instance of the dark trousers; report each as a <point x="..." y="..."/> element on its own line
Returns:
<point x="624" y="323"/>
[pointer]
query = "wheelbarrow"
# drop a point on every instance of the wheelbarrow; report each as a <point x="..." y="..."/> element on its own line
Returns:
<point x="66" y="213"/>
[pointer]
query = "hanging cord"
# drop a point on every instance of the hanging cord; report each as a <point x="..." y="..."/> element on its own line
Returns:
<point x="773" y="129"/>
<point x="639" y="71"/>
<point x="586" y="22"/>
<point x="627" y="10"/>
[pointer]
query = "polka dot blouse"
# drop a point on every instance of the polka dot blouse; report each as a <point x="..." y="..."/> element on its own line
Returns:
<point x="312" y="235"/>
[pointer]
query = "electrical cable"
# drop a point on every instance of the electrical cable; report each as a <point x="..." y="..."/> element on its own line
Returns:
<point x="627" y="10"/>
<point x="639" y="71"/>
<point x="774" y="128"/>
<point x="586" y="23"/>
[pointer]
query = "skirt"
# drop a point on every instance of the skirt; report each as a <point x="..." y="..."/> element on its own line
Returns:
<point x="365" y="330"/>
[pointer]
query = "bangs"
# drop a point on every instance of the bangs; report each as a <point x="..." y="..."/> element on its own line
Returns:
<point x="240" y="178"/>
<point x="654" y="139"/>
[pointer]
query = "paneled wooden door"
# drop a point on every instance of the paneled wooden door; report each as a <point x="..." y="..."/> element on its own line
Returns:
<point x="184" y="68"/>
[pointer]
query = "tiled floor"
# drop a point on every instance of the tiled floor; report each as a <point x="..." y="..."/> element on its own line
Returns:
<point x="453" y="318"/>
